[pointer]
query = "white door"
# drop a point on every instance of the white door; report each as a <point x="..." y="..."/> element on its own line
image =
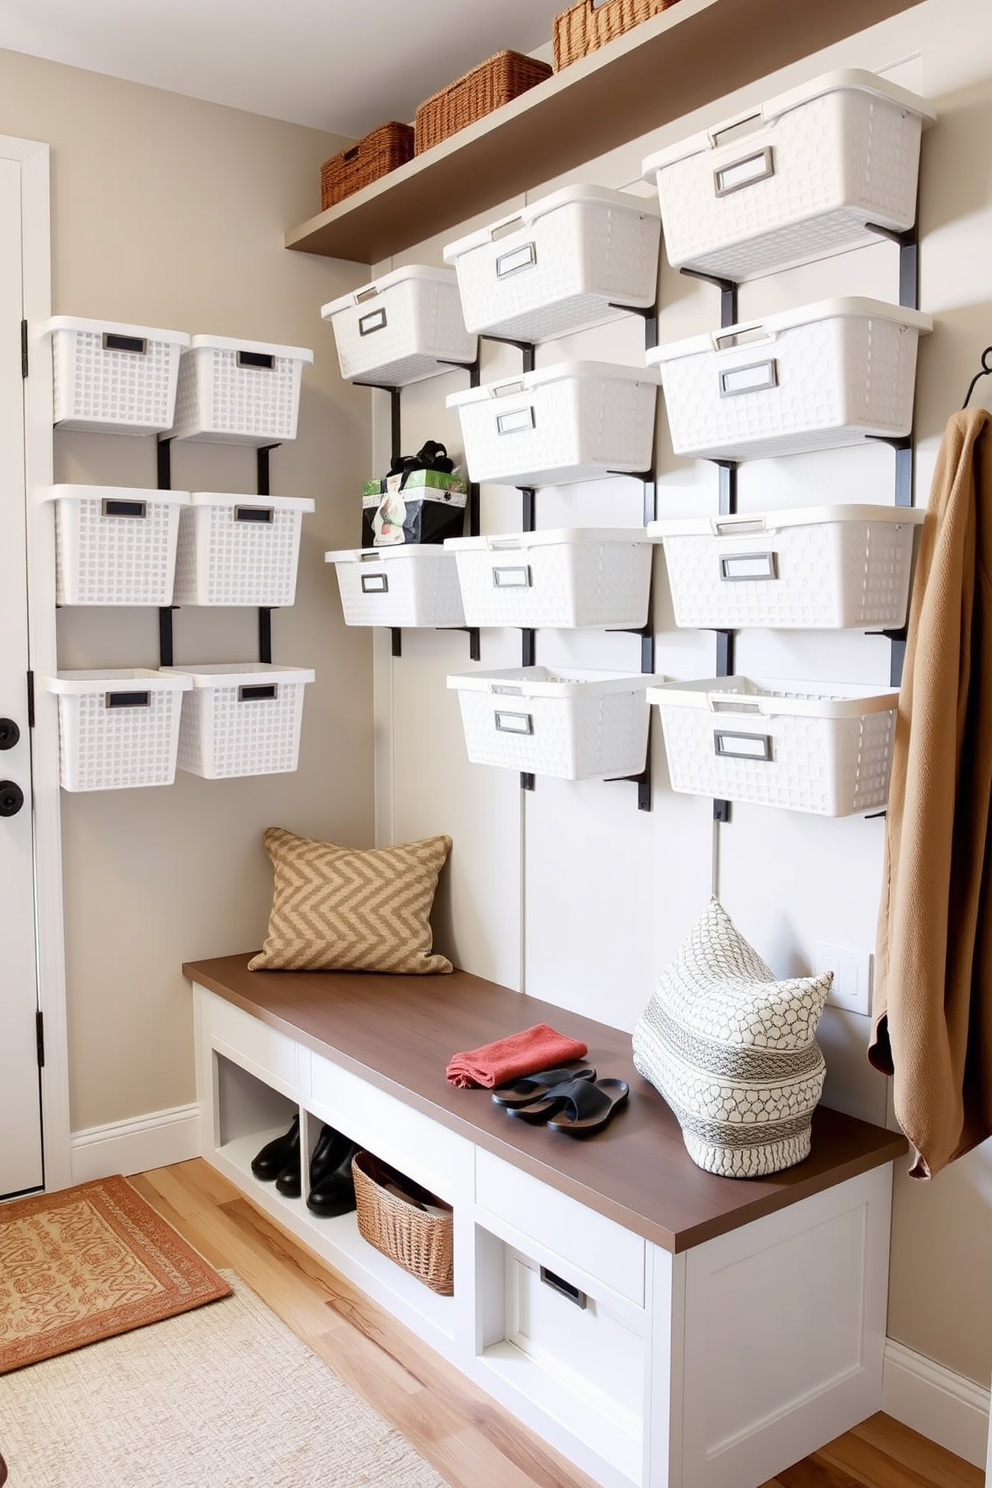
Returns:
<point x="20" y="1084"/>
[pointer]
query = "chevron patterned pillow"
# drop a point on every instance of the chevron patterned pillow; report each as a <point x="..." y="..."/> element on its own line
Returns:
<point x="343" y="909"/>
<point x="734" y="1052"/>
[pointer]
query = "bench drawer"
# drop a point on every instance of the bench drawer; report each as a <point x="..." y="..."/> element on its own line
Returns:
<point x="399" y="1135"/>
<point x="521" y="1205"/>
<point x="252" y="1044"/>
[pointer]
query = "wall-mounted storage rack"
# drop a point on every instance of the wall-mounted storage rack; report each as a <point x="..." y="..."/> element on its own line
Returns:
<point x="396" y="449"/>
<point x="165" y="628"/>
<point x="660" y="70"/>
<point x="903" y="448"/>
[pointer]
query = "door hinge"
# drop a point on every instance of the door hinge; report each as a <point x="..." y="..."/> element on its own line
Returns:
<point x="30" y="699"/>
<point x="40" y="1029"/>
<point x="24" y="348"/>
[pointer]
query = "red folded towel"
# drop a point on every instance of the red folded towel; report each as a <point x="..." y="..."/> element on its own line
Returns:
<point x="524" y="1053"/>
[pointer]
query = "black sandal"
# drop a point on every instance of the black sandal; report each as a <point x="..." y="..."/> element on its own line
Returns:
<point x="535" y="1087"/>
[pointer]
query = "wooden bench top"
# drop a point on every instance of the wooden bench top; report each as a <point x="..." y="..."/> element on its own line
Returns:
<point x="398" y="1033"/>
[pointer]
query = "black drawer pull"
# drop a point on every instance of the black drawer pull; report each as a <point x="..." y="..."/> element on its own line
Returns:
<point x="256" y="694"/>
<point x="564" y="1288"/>
<point x="127" y="700"/>
<point x="112" y="341"/>
<point x="114" y="508"/>
<point x="261" y="359"/>
<point x="254" y="513"/>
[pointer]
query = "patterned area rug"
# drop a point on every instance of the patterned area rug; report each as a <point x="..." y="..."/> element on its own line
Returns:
<point x="87" y="1263"/>
<point x="226" y="1397"/>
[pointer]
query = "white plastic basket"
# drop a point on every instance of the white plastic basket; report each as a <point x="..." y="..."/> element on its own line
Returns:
<point x="573" y="259"/>
<point x="401" y="328"/>
<point x="832" y="373"/>
<point x="567" y="577"/>
<point x="822" y="747"/>
<point x="794" y="180"/>
<point x="239" y="550"/>
<point x="117" y="727"/>
<point x="241" y="718"/>
<point x="411" y="584"/>
<point x="574" y="724"/>
<point x="808" y="568"/>
<point x="573" y="421"/>
<point x="117" y="378"/>
<point x="115" y="545"/>
<point x="239" y="392"/>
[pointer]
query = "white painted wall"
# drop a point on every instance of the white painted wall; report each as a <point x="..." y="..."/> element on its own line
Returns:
<point x="571" y="893"/>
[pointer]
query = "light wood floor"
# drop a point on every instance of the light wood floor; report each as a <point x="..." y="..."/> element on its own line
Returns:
<point x="471" y="1441"/>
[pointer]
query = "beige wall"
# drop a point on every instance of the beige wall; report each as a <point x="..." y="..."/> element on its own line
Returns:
<point x="170" y="212"/>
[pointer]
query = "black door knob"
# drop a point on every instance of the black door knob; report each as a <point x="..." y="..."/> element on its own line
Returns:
<point x="9" y="733"/>
<point x="11" y="798"/>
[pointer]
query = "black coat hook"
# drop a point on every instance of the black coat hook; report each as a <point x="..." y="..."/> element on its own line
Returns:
<point x="985" y="372"/>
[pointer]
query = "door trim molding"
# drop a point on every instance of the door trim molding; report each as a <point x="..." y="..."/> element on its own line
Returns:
<point x="34" y="159"/>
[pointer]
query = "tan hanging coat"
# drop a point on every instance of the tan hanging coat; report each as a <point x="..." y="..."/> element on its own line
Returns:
<point x="932" y="1007"/>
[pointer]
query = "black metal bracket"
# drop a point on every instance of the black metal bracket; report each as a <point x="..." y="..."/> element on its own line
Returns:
<point x="395" y="447"/>
<point x="728" y="294"/>
<point x="165" y="638"/>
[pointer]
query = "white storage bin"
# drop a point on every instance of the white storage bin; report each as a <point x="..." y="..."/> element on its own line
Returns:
<point x="118" y="379"/>
<point x="410" y="584"/>
<point x="115" y="545"/>
<point x="239" y="392"/>
<point x="117" y="727"/>
<point x="823" y="747"/>
<point x="401" y="328"/>
<point x="572" y="723"/>
<point x="571" y="260"/>
<point x="794" y="180"/>
<point x="568" y="577"/>
<point x="239" y="550"/>
<point x="808" y="568"/>
<point x="241" y="718"/>
<point x="832" y="373"/>
<point x="574" y="421"/>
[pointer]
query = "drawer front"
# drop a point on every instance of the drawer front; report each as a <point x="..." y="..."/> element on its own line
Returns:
<point x="576" y="1338"/>
<point x="250" y="1042"/>
<point x="400" y="1136"/>
<point x="524" y="1206"/>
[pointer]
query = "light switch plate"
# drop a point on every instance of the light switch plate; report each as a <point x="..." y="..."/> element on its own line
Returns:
<point x="852" y="969"/>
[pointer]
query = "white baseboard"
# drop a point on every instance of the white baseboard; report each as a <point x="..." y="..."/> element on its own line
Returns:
<point x="944" y="1406"/>
<point x="151" y="1141"/>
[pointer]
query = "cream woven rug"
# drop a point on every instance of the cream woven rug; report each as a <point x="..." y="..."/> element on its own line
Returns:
<point x="223" y="1397"/>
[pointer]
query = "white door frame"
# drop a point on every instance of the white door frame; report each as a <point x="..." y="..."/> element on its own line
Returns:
<point x="37" y="289"/>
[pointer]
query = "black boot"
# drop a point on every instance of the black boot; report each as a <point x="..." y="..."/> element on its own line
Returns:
<point x="277" y="1154"/>
<point x="332" y="1188"/>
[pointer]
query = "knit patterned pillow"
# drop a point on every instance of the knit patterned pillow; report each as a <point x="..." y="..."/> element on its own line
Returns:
<point x="733" y="1052"/>
<point x="340" y="909"/>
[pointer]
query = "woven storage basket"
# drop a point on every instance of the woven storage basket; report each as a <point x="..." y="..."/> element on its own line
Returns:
<point x="494" y="82"/>
<point x="419" y="1242"/>
<point x="377" y="153"/>
<point x="584" y="27"/>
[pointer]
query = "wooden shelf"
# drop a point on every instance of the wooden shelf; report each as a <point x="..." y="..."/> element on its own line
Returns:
<point x="696" y="51"/>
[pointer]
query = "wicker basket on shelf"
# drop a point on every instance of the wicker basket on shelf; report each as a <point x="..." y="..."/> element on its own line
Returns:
<point x="494" y="82"/>
<point x="584" y="27"/>
<point x="391" y="1217"/>
<point x="377" y="153"/>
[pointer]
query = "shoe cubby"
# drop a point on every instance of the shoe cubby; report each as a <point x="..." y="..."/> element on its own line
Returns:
<point x="248" y="1113"/>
